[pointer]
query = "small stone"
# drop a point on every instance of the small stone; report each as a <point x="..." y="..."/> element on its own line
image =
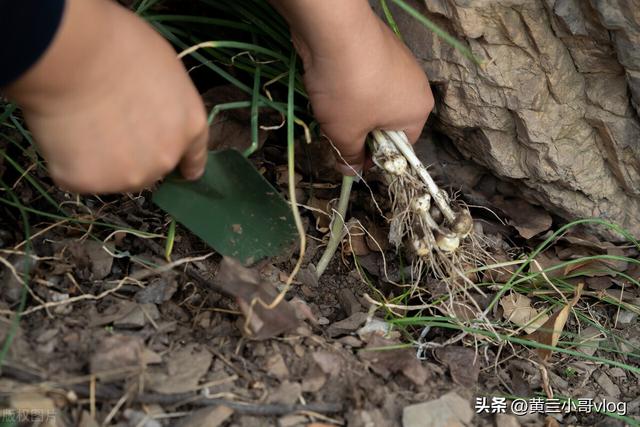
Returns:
<point x="288" y="393"/>
<point x="299" y="350"/>
<point x="292" y="421"/>
<point x="328" y="362"/>
<point x="607" y="385"/>
<point x="322" y="321"/>
<point x="314" y="380"/>
<point x="349" y="302"/>
<point x="369" y="418"/>
<point x="276" y="367"/>
<point x="308" y="276"/>
<point x="626" y="317"/>
<point x="346" y="326"/>
<point x="617" y="372"/>
<point x="350" y="341"/>
<point x="208" y="417"/>
<point x="139" y="418"/>
<point x="150" y="357"/>
<point x="374" y="327"/>
<point x="450" y="410"/>
<point x="135" y="319"/>
<point x="117" y="352"/>
<point x="159" y="290"/>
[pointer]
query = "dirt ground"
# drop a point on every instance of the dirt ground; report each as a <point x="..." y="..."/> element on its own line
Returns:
<point x="110" y="338"/>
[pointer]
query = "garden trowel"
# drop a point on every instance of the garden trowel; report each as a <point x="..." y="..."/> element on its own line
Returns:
<point x="233" y="208"/>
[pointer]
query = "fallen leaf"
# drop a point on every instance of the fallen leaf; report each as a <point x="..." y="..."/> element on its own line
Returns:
<point x="182" y="373"/>
<point x="92" y="258"/>
<point x="588" y="340"/>
<point x="321" y="212"/>
<point x="277" y="367"/>
<point x="591" y="268"/>
<point x="463" y="364"/>
<point x="549" y="333"/>
<point x="117" y="353"/>
<point x="528" y="219"/>
<point x="254" y="296"/>
<point x="517" y="309"/>
<point x="546" y="261"/>
<point x="500" y="274"/>
<point x="599" y="283"/>
<point x="287" y="393"/>
<point x="587" y="241"/>
<point x="328" y="362"/>
<point x="463" y="312"/>
<point x="386" y="362"/>
<point x="355" y="240"/>
<point x="377" y="238"/>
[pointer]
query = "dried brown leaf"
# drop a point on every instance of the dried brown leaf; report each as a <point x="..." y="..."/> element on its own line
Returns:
<point x="517" y="309"/>
<point x="253" y="295"/>
<point x="321" y="212"/>
<point x="550" y="332"/>
<point x="355" y="240"/>
<point x="529" y="220"/>
<point x="377" y="238"/>
<point x="463" y="364"/>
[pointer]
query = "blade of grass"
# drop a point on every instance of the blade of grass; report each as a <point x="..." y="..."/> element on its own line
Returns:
<point x="26" y="274"/>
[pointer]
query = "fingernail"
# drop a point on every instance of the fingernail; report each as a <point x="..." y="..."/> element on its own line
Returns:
<point x="194" y="174"/>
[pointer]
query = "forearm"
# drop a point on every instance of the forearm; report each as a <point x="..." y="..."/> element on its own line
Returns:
<point x="70" y="59"/>
<point x="26" y="30"/>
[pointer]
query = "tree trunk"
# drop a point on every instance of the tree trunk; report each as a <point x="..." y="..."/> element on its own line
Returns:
<point x="555" y="107"/>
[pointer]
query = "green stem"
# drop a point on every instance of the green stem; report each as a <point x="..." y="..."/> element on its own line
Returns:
<point x="336" y="228"/>
<point x="255" y="104"/>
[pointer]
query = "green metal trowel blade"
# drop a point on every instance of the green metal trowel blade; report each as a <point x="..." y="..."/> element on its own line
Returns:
<point x="233" y="208"/>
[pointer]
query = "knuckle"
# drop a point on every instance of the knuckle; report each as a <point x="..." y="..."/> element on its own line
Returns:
<point x="167" y="161"/>
<point x="134" y="181"/>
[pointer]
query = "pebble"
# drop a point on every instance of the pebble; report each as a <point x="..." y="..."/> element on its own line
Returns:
<point x="450" y="410"/>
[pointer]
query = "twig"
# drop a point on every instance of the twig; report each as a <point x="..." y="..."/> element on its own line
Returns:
<point x="241" y="407"/>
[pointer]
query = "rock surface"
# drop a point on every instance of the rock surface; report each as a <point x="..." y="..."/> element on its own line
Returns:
<point x="555" y="107"/>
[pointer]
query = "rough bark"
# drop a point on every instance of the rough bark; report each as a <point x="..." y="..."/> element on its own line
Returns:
<point x="555" y="107"/>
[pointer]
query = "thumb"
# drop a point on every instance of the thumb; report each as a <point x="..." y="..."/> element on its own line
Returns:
<point x="350" y="154"/>
<point x="194" y="159"/>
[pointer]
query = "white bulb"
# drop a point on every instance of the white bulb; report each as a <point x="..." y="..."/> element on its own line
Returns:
<point x="447" y="242"/>
<point x="421" y="247"/>
<point x="422" y="203"/>
<point x="396" y="165"/>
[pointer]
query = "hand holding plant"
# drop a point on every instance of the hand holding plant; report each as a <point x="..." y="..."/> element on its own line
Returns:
<point x="358" y="74"/>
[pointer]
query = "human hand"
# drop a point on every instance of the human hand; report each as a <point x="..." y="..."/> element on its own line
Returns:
<point x="110" y="106"/>
<point x="359" y="76"/>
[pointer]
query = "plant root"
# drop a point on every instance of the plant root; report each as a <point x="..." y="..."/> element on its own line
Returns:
<point x="439" y="231"/>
